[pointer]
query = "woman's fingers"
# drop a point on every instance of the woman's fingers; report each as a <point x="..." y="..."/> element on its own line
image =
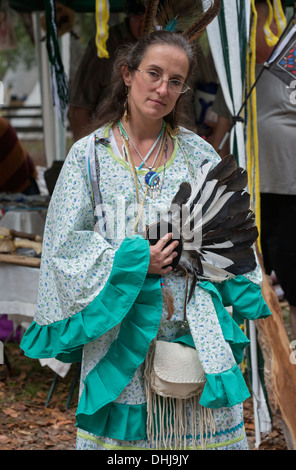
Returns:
<point x="163" y="241"/>
<point x="161" y="255"/>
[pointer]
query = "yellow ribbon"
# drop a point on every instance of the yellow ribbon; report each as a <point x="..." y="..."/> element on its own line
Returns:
<point x="102" y="19"/>
<point x="252" y="133"/>
<point x="276" y="12"/>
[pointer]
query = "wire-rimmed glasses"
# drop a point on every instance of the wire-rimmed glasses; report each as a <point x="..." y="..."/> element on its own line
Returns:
<point x="154" y="78"/>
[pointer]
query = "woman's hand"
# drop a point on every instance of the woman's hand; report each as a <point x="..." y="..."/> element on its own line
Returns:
<point x="160" y="256"/>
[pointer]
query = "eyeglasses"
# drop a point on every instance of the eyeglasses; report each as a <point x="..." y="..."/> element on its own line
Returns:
<point x="154" y="78"/>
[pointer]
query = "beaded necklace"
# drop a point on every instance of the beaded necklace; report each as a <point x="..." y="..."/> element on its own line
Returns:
<point x="153" y="180"/>
<point x="124" y="132"/>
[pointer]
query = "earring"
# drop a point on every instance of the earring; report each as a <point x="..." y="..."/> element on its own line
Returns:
<point x="125" y="107"/>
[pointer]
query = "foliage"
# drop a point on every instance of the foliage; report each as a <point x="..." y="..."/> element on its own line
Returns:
<point x="25" y="50"/>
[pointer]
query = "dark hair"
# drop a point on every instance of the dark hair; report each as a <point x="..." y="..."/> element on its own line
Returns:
<point x="111" y="108"/>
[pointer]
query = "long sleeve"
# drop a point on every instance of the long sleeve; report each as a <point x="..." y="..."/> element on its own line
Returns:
<point x="87" y="286"/>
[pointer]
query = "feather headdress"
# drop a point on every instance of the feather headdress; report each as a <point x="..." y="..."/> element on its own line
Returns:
<point x="180" y="17"/>
<point x="213" y="222"/>
<point x="210" y="11"/>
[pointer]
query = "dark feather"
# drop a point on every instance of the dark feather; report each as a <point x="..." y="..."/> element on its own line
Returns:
<point x="217" y="236"/>
<point x="183" y="194"/>
<point x="244" y="219"/>
<point x="243" y="261"/>
<point x="192" y="287"/>
<point x="176" y="12"/>
<point x="149" y="17"/>
<point x="203" y="20"/>
<point x="237" y="202"/>
<point x="237" y="181"/>
<point x="239" y="239"/>
<point x="224" y="169"/>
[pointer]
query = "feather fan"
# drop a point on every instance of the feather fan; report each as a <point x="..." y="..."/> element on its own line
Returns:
<point x="213" y="222"/>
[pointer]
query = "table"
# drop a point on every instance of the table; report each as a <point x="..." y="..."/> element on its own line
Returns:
<point x="19" y="284"/>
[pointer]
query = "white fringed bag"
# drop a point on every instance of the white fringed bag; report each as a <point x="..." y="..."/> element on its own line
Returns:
<point x="174" y="376"/>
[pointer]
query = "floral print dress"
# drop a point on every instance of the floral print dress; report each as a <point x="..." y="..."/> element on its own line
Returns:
<point x="76" y="265"/>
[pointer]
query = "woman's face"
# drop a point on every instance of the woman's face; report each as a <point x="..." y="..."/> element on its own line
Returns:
<point x="148" y="100"/>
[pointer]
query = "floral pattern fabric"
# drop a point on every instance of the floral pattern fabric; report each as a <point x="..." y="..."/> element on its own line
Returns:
<point x="117" y="189"/>
<point x="77" y="262"/>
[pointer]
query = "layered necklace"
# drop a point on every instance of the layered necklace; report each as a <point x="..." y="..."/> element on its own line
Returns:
<point x="152" y="179"/>
<point x="158" y="140"/>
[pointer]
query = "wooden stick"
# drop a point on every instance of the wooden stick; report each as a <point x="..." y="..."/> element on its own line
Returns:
<point x="7" y="245"/>
<point x="279" y="371"/>
<point x="7" y="232"/>
<point x="20" y="260"/>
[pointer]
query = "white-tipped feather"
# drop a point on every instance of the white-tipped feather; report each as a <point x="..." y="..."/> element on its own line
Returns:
<point x="216" y="246"/>
<point x="209" y="210"/>
<point x="215" y="274"/>
<point x="216" y="260"/>
<point x="199" y="180"/>
<point x="212" y="211"/>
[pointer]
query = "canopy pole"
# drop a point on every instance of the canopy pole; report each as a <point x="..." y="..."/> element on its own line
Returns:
<point x="53" y="129"/>
<point x="255" y="382"/>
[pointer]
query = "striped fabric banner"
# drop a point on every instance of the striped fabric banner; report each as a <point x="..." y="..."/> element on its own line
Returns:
<point x="233" y="51"/>
<point x="276" y="12"/>
<point x="228" y="37"/>
<point x="102" y="19"/>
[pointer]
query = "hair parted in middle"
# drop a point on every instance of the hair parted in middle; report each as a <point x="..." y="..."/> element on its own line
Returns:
<point x="112" y="108"/>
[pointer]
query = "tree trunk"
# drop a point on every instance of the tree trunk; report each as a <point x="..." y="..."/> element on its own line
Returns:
<point x="279" y="370"/>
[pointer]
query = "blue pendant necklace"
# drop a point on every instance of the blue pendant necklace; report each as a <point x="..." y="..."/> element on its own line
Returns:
<point x="123" y="131"/>
<point x="152" y="178"/>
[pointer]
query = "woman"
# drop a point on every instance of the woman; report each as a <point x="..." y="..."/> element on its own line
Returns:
<point x="101" y="291"/>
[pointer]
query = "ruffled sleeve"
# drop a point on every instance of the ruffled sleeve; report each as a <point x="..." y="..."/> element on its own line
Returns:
<point x="225" y="389"/>
<point x="87" y="285"/>
<point x="245" y="297"/>
<point x="64" y="339"/>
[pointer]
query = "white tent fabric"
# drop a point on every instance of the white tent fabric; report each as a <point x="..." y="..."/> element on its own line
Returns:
<point x="234" y="13"/>
<point x="228" y="37"/>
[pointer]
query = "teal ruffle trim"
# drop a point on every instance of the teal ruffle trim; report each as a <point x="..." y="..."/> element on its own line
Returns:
<point x="245" y="297"/>
<point x="111" y="375"/>
<point x="225" y="389"/>
<point x="246" y="300"/>
<point x="118" y="421"/>
<point x="128" y="422"/>
<point x="64" y="339"/>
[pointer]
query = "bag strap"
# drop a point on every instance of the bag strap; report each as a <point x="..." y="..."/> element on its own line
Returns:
<point x="186" y="293"/>
<point x="93" y="173"/>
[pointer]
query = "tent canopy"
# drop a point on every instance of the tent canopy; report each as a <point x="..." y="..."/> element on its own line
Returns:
<point x="82" y="6"/>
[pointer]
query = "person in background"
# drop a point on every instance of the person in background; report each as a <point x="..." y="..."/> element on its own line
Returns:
<point x="94" y="73"/>
<point x="276" y="118"/>
<point x="17" y="170"/>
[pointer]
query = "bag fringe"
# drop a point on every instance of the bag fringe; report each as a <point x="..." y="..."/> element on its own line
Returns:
<point x="167" y="421"/>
